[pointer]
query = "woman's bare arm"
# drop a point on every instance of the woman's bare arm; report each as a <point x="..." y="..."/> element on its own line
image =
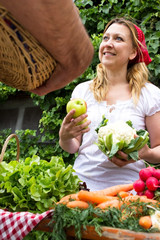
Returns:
<point x="152" y="155"/>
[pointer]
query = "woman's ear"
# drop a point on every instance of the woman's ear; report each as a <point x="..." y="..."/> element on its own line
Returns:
<point x="133" y="54"/>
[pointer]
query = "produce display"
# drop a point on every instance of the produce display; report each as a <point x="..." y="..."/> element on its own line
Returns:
<point x="37" y="185"/>
<point x="113" y="207"/>
<point x="120" y="135"/>
<point x="34" y="184"/>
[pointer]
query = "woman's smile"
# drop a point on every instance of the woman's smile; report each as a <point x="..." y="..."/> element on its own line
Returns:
<point x="109" y="53"/>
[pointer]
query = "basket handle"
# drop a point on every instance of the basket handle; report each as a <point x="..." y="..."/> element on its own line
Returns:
<point x="5" y="146"/>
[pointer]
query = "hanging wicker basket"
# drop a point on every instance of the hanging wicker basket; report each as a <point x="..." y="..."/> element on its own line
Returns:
<point x="24" y="63"/>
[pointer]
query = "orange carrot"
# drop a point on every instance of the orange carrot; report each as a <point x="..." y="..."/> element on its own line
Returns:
<point x="145" y="222"/>
<point x="68" y="198"/>
<point x="114" y="190"/>
<point x="144" y="199"/>
<point x="93" y="197"/>
<point x="132" y="210"/>
<point x="112" y="203"/>
<point x="124" y="194"/>
<point x="77" y="204"/>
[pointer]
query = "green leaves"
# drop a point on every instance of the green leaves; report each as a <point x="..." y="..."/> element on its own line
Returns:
<point x="5" y="92"/>
<point x="102" y="123"/>
<point x="136" y="144"/>
<point x="109" y="142"/>
<point x="34" y="184"/>
<point x="114" y="150"/>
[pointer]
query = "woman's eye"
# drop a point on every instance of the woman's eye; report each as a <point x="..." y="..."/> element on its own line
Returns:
<point x="119" y="39"/>
<point x="105" y="38"/>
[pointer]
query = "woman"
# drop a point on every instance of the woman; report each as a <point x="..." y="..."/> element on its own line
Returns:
<point x="120" y="91"/>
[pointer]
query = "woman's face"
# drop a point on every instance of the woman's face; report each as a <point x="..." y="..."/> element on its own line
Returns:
<point x="116" y="48"/>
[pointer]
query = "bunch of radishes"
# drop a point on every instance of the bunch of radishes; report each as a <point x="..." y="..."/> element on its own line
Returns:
<point x="149" y="183"/>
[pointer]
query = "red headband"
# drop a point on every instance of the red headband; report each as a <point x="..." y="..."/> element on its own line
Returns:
<point x="143" y="55"/>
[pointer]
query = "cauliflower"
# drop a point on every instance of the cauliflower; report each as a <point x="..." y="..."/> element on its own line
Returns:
<point x="156" y="220"/>
<point x="120" y="135"/>
<point x="155" y="217"/>
<point x="120" y="131"/>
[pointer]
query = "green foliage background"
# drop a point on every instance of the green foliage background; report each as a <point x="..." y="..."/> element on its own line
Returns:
<point x="95" y="15"/>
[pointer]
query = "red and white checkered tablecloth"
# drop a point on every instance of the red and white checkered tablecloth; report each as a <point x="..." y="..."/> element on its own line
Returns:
<point x="16" y="225"/>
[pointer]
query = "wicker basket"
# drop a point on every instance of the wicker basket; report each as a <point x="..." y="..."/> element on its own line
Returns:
<point x="5" y="146"/>
<point x="24" y="63"/>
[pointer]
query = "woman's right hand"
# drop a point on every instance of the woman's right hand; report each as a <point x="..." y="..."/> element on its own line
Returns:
<point x="70" y="134"/>
<point x="70" y="127"/>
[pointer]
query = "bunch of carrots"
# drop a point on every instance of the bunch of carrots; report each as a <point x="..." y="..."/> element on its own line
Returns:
<point x="110" y="197"/>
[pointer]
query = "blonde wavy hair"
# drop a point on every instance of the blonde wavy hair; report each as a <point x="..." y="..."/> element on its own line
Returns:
<point x="137" y="74"/>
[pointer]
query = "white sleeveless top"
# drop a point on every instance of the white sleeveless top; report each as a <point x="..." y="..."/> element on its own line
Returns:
<point x="91" y="165"/>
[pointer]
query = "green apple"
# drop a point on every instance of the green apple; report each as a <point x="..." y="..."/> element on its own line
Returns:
<point x="79" y="105"/>
<point x="83" y="121"/>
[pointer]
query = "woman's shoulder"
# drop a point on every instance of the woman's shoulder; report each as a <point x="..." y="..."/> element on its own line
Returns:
<point x="150" y="99"/>
<point x="81" y="89"/>
<point x="83" y="85"/>
<point x="151" y="88"/>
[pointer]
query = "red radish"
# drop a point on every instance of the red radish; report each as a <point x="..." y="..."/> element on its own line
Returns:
<point x="139" y="185"/>
<point x="151" y="169"/>
<point x="140" y="193"/>
<point x="145" y="173"/>
<point x="152" y="183"/>
<point x="156" y="174"/>
<point x="149" y="194"/>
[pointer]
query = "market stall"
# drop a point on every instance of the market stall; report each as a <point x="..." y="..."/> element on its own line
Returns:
<point x="76" y="212"/>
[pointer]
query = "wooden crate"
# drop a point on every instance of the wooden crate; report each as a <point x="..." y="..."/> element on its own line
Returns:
<point x="108" y="233"/>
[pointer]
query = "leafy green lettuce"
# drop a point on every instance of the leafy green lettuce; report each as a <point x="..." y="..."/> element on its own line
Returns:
<point x="34" y="184"/>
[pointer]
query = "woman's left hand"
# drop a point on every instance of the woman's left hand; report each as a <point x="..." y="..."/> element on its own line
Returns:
<point x="144" y="152"/>
<point x="123" y="160"/>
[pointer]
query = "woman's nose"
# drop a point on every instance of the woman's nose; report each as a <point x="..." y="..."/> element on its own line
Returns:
<point x="109" y="42"/>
